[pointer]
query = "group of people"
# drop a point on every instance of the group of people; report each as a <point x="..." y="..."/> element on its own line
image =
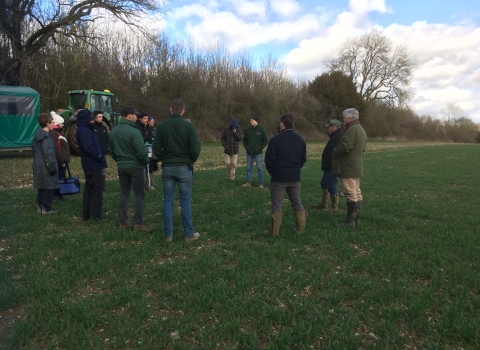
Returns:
<point x="175" y="143"/>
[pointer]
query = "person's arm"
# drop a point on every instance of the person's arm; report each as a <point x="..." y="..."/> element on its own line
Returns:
<point x="264" y="138"/>
<point x="157" y="147"/>
<point x="194" y="151"/>
<point x="303" y="157"/>
<point x="140" y="149"/>
<point x="270" y="157"/>
<point x="238" y="134"/>
<point x="48" y="153"/>
<point x="345" y="145"/>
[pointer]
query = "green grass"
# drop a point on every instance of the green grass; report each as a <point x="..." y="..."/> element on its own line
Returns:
<point x="407" y="277"/>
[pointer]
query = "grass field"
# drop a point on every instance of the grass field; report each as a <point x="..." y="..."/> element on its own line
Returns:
<point x="407" y="278"/>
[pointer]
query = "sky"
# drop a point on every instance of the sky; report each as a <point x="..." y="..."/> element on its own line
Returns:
<point x="443" y="36"/>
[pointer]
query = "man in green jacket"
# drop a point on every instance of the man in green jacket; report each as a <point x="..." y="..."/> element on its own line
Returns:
<point x="128" y="150"/>
<point x="177" y="146"/>
<point x="254" y="141"/>
<point x="348" y="164"/>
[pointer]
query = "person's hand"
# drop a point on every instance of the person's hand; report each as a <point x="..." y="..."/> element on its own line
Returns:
<point x="62" y="165"/>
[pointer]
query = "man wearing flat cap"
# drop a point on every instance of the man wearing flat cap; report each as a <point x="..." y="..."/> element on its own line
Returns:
<point x="127" y="148"/>
<point x="254" y="141"/>
<point x="329" y="182"/>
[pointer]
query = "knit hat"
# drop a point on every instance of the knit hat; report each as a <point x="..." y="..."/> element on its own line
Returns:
<point x="257" y="119"/>
<point x="334" y="122"/>
<point x="56" y="118"/>
<point x="150" y="117"/>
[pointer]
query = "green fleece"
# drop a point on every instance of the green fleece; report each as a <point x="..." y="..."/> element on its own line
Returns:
<point x="127" y="147"/>
<point x="176" y="142"/>
<point x="255" y="140"/>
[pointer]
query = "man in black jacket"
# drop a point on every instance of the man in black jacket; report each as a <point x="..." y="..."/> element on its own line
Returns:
<point x="101" y="130"/>
<point x="329" y="182"/>
<point x="286" y="154"/>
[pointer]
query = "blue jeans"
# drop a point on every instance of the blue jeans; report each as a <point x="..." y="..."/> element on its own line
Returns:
<point x="181" y="176"/>
<point x="258" y="159"/>
<point x="329" y="182"/>
<point x="131" y="178"/>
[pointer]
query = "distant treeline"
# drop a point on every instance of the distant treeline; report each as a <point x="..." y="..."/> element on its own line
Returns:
<point x="149" y="72"/>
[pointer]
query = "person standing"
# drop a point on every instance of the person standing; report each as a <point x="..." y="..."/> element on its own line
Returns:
<point x="93" y="163"/>
<point x="148" y="134"/>
<point x="128" y="150"/>
<point x="254" y="141"/>
<point x="231" y="136"/>
<point x="153" y="168"/>
<point x="45" y="179"/>
<point x="177" y="146"/>
<point x="285" y="156"/>
<point x="347" y="163"/>
<point x="101" y="130"/>
<point x="62" y="151"/>
<point x="329" y="182"/>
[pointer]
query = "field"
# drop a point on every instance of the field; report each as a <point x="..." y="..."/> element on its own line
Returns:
<point x="407" y="278"/>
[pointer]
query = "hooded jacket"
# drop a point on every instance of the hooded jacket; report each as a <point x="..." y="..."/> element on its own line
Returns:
<point x="44" y="163"/>
<point x="230" y="139"/>
<point x="127" y="147"/>
<point x="88" y="144"/>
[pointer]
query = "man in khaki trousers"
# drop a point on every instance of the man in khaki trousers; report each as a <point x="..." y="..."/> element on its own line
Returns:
<point x="348" y="164"/>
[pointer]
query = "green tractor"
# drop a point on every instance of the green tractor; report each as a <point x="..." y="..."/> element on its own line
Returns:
<point x="103" y="101"/>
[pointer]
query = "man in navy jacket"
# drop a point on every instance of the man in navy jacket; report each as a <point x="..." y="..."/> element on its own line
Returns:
<point x="329" y="182"/>
<point x="286" y="154"/>
<point x="93" y="162"/>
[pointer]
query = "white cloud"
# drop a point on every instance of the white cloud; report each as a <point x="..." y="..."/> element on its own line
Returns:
<point x="249" y="8"/>
<point x="285" y="8"/>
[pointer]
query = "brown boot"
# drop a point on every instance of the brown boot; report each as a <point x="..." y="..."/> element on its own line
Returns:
<point x="246" y="184"/>
<point x="275" y="223"/>
<point x="334" y="200"/>
<point x="324" y="203"/>
<point x="300" y="221"/>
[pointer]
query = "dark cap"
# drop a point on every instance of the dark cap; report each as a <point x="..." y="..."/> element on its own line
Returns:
<point x="257" y="119"/>
<point x="129" y="110"/>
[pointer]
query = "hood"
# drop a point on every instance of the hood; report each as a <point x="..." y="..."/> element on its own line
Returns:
<point x="40" y="134"/>
<point x="234" y="123"/>
<point x="83" y="117"/>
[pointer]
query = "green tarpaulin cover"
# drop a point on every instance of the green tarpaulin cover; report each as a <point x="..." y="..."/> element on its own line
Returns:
<point x="19" y="110"/>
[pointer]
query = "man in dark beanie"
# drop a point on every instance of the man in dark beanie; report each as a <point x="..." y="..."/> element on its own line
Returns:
<point x="93" y="163"/>
<point x="286" y="154"/>
<point x="254" y="142"/>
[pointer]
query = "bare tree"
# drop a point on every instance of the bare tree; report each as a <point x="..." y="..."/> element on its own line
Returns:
<point x="27" y="25"/>
<point x="451" y="112"/>
<point x="381" y="70"/>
